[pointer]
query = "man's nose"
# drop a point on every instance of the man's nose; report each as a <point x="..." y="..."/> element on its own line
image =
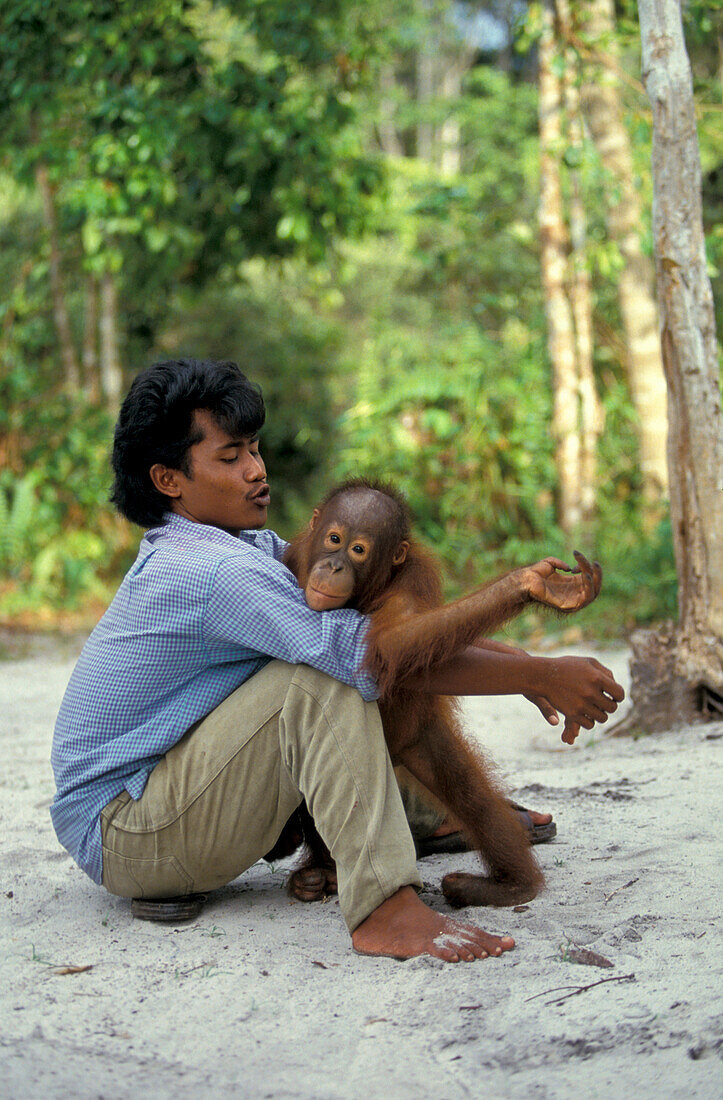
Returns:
<point x="255" y="468"/>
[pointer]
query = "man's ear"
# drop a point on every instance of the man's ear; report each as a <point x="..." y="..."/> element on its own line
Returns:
<point x="314" y="518"/>
<point x="401" y="554"/>
<point x="164" y="479"/>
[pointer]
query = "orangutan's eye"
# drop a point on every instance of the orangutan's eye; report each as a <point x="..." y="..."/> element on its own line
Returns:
<point x="358" y="549"/>
<point x="335" y="539"/>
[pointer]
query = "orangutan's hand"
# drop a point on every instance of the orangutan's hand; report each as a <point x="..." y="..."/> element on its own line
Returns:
<point x="546" y="586"/>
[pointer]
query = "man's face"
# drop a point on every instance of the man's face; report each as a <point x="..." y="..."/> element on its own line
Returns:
<point x="227" y="484"/>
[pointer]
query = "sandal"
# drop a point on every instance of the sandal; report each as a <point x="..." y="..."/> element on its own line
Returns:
<point x="455" y="842"/>
<point x="168" y="909"/>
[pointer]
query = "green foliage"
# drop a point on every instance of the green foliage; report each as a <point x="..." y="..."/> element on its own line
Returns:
<point x="201" y="134"/>
<point x="59" y="542"/>
<point x="221" y="159"/>
<point x="18" y="509"/>
<point x="445" y="416"/>
<point x="452" y="399"/>
<point x="279" y="322"/>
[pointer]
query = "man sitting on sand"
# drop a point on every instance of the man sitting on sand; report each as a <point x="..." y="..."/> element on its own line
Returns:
<point x="210" y="700"/>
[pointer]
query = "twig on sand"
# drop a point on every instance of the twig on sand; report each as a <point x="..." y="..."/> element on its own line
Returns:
<point x="631" y="883"/>
<point x="578" y="989"/>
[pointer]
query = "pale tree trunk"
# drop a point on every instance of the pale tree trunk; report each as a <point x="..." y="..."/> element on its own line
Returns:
<point x="554" y="248"/>
<point x="580" y="292"/>
<point x="91" y="377"/>
<point x="678" y="674"/>
<point x="57" y="290"/>
<point x="603" y="111"/>
<point x="110" y="368"/>
<point x="591" y="410"/>
<point x="388" y="137"/>
<point x="450" y="135"/>
<point x="425" y="92"/>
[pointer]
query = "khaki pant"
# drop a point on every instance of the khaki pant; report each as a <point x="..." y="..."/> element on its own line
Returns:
<point x="218" y="800"/>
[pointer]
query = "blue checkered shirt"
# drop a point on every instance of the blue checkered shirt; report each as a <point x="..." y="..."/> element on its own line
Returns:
<point x="198" y="614"/>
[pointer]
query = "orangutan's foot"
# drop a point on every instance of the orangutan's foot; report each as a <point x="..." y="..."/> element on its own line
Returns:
<point x="403" y="927"/>
<point x="312" y="883"/>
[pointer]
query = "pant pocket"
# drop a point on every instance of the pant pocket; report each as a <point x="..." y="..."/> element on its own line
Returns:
<point x="129" y="877"/>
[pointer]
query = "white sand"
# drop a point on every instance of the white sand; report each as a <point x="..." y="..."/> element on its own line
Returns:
<point x="263" y="997"/>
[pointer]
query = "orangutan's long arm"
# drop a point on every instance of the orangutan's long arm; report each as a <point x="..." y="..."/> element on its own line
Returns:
<point x="403" y="643"/>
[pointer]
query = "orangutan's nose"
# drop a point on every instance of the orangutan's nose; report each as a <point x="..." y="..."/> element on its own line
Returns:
<point x="332" y="565"/>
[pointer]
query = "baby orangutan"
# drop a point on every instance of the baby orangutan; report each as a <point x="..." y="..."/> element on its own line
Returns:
<point x="358" y="552"/>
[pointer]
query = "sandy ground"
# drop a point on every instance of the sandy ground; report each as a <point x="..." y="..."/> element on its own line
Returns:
<point x="263" y="997"/>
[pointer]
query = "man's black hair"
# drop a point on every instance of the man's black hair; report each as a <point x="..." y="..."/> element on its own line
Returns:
<point x="156" y="425"/>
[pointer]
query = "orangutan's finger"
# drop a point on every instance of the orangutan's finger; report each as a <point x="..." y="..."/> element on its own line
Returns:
<point x="590" y="576"/>
<point x="557" y="563"/>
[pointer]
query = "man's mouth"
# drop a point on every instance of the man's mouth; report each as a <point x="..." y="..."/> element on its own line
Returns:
<point x="261" y="497"/>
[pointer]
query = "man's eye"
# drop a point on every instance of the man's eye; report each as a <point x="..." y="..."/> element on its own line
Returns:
<point x="228" y="461"/>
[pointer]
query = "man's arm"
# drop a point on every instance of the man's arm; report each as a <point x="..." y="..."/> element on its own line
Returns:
<point x="544" y="705"/>
<point x="256" y="606"/>
<point x="582" y="689"/>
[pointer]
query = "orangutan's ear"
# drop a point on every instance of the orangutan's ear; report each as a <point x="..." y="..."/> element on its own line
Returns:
<point x="314" y="517"/>
<point x="164" y="479"/>
<point x="401" y="554"/>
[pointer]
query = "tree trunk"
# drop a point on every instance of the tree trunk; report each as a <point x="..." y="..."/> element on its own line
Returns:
<point x="581" y="299"/>
<point x="425" y="93"/>
<point x="110" y="368"/>
<point x="388" y="137"/>
<point x="601" y="104"/>
<point x="554" y="249"/>
<point x="57" y="290"/>
<point x="591" y="410"/>
<point x="685" y="664"/>
<point x="91" y="377"/>
<point x="450" y="135"/>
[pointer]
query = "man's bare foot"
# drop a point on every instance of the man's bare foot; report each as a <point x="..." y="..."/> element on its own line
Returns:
<point x="452" y="825"/>
<point x="538" y="818"/>
<point x="403" y="927"/>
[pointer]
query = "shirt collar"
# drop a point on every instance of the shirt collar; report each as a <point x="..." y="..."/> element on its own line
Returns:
<point x="190" y="531"/>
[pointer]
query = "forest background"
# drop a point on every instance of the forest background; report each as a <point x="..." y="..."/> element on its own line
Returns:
<point x="423" y="228"/>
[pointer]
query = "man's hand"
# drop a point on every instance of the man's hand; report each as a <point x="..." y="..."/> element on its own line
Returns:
<point x="548" y="712"/>
<point x="546" y="586"/>
<point x="545" y="708"/>
<point x="570" y="732"/>
<point x="580" y="688"/>
<point x="571" y="728"/>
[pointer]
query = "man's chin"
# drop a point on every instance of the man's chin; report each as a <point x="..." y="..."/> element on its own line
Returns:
<point x="247" y="522"/>
<point x="255" y="519"/>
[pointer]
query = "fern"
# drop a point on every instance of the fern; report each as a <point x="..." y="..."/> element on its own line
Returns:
<point x="17" y="520"/>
